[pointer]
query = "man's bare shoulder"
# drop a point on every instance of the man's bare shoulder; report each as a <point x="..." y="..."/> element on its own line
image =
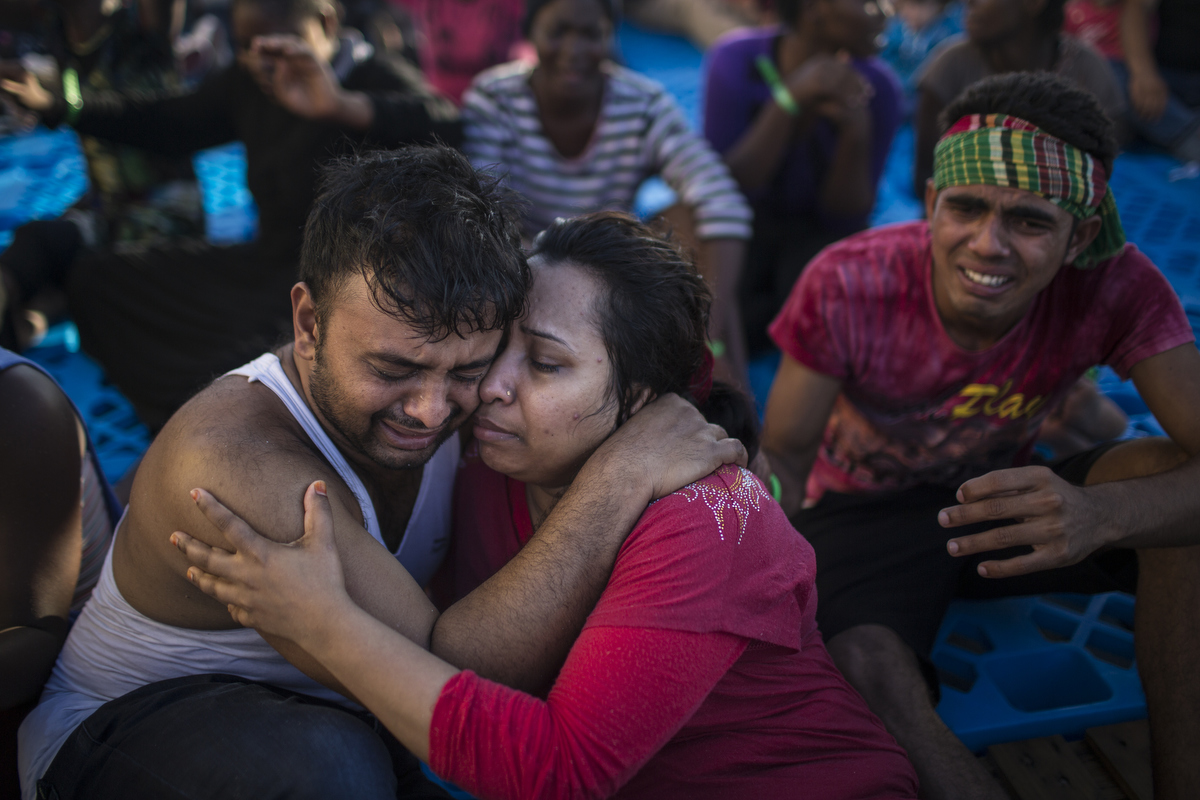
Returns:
<point x="237" y="440"/>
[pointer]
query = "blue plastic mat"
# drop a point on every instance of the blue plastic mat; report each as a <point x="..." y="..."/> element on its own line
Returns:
<point x="1025" y="667"/>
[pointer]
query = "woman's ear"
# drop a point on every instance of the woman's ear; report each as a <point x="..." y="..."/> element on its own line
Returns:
<point x="644" y="395"/>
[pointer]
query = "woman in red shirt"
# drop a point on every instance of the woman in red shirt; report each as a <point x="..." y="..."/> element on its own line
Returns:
<point x="700" y="672"/>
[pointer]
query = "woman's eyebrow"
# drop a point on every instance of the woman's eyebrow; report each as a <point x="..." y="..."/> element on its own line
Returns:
<point x="525" y="329"/>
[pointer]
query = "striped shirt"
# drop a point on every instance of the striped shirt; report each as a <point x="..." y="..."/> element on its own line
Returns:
<point x="641" y="132"/>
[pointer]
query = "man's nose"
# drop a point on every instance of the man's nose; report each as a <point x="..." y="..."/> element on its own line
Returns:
<point x="430" y="404"/>
<point x="989" y="239"/>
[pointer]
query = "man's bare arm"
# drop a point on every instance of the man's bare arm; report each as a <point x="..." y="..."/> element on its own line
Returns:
<point x="518" y="626"/>
<point x="261" y="472"/>
<point x="797" y="410"/>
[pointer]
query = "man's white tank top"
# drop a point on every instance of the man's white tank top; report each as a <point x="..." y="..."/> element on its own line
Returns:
<point x="113" y="649"/>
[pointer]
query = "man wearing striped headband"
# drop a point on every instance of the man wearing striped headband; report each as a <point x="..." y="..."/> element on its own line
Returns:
<point x="920" y="362"/>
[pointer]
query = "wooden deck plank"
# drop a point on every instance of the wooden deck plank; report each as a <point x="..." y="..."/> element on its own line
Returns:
<point x="1124" y="749"/>
<point x="1046" y="769"/>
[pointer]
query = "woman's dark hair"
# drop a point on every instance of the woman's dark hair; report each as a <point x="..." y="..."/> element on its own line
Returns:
<point x="533" y="7"/>
<point x="1055" y="105"/>
<point x="438" y="243"/>
<point x="653" y="314"/>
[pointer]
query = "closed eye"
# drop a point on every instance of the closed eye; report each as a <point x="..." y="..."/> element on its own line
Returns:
<point x="393" y="376"/>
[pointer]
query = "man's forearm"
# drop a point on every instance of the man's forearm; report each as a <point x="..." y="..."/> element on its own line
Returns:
<point x="517" y="627"/>
<point x="1161" y="510"/>
<point x="1135" y="38"/>
<point x="792" y="471"/>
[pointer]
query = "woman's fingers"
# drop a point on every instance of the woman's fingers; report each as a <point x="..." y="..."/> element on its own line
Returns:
<point x="318" y="516"/>
<point x="219" y="589"/>
<point x="235" y="530"/>
<point x="210" y="559"/>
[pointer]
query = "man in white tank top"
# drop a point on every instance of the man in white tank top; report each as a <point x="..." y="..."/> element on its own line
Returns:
<point x="411" y="270"/>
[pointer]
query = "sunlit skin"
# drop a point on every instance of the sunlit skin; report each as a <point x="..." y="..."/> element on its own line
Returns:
<point x="546" y="402"/>
<point x="388" y="394"/>
<point x="984" y="235"/>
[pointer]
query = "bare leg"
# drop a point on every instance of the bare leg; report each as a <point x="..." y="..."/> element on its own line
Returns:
<point x="1168" y="630"/>
<point x="887" y="674"/>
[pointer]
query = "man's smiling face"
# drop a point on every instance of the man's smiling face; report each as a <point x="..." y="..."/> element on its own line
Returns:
<point x="994" y="249"/>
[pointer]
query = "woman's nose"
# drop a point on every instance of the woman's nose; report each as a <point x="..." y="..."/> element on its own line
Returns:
<point x="497" y="384"/>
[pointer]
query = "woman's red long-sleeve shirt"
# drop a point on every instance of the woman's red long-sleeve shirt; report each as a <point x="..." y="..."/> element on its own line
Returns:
<point x="700" y="673"/>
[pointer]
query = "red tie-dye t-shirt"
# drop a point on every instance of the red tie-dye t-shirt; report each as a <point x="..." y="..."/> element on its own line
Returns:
<point x="917" y="408"/>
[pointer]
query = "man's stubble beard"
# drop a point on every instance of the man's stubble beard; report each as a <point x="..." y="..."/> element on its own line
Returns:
<point x="329" y="400"/>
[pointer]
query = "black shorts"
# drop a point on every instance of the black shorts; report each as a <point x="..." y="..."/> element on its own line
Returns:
<point x="881" y="559"/>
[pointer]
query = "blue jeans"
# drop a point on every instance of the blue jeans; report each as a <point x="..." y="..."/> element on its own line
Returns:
<point x="219" y="737"/>
<point x="1179" y="119"/>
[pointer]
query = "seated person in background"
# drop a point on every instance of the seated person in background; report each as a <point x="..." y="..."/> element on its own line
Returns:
<point x="921" y="360"/>
<point x="701" y="672"/>
<point x="917" y="27"/>
<point x="577" y="133"/>
<point x="134" y="195"/>
<point x="412" y="270"/>
<point x="804" y="116"/>
<point x="1007" y="36"/>
<point x="298" y="95"/>
<point x="57" y="516"/>
<point x="1165" y="101"/>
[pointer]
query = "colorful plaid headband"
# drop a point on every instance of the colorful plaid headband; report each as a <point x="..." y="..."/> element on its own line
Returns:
<point x="1006" y="151"/>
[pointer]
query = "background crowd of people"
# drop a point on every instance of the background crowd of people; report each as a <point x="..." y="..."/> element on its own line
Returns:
<point x="802" y="102"/>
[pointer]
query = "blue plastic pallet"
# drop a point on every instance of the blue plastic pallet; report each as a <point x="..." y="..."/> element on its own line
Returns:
<point x="1025" y="667"/>
<point x="117" y="434"/>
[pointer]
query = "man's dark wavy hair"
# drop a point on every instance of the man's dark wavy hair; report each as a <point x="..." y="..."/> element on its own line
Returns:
<point x="438" y="243"/>
<point x="1054" y="104"/>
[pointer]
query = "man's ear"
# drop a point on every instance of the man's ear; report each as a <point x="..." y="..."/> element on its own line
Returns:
<point x="644" y="395"/>
<point x="931" y="194"/>
<point x="1085" y="233"/>
<point x="304" y="322"/>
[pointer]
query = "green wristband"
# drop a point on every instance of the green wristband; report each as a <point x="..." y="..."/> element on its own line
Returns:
<point x="776" y="487"/>
<point x="783" y="98"/>
<point x="72" y="94"/>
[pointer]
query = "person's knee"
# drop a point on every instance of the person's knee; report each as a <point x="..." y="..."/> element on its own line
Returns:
<point x="342" y="757"/>
<point x="1137" y="459"/>
<point x="878" y="663"/>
